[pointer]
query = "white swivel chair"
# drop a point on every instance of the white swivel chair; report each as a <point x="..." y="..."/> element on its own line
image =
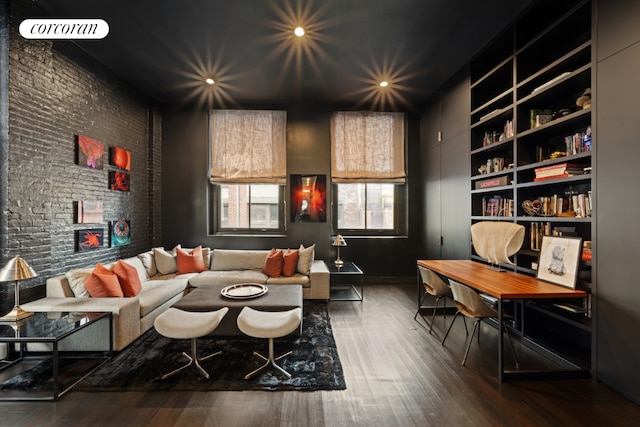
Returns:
<point x="496" y="241"/>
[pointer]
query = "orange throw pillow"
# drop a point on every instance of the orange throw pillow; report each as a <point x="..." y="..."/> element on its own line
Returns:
<point x="103" y="283"/>
<point x="272" y="266"/>
<point x="128" y="277"/>
<point x="190" y="262"/>
<point x="290" y="263"/>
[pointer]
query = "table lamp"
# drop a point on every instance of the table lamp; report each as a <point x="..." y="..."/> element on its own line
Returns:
<point x="337" y="242"/>
<point x="16" y="270"/>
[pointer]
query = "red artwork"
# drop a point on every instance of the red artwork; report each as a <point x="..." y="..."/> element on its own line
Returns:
<point x="308" y="198"/>
<point x="119" y="181"/>
<point x="90" y="152"/>
<point x="121" y="158"/>
<point x="90" y="239"/>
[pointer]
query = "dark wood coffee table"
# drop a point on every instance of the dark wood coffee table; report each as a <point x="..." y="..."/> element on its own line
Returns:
<point x="209" y="298"/>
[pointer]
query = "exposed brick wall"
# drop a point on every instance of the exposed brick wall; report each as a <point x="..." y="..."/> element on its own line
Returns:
<point x="55" y="93"/>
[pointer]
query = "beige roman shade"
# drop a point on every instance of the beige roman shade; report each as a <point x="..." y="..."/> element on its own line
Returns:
<point x="248" y="146"/>
<point x="367" y="147"/>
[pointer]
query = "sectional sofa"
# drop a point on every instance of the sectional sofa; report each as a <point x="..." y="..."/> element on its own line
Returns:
<point x="162" y="285"/>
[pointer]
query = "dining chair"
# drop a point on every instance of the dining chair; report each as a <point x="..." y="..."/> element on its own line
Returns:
<point x="496" y="241"/>
<point x="471" y="305"/>
<point x="435" y="286"/>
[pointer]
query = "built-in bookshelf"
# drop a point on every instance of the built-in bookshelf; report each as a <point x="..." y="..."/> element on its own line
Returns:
<point x="531" y="132"/>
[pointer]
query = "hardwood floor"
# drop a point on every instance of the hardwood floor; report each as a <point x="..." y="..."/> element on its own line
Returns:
<point x="396" y="374"/>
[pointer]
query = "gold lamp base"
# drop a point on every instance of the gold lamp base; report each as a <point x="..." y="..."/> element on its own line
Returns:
<point x="17" y="313"/>
<point x="339" y="263"/>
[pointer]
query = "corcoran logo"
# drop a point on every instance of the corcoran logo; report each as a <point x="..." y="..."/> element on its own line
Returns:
<point x="68" y="29"/>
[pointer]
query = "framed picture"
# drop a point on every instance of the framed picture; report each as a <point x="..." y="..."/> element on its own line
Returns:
<point x="120" y="158"/>
<point x="89" y="212"/>
<point x="559" y="260"/>
<point x="90" y="239"/>
<point x="90" y="152"/>
<point x="308" y="198"/>
<point x="118" y="181"/>
<point x="121" y="233"/>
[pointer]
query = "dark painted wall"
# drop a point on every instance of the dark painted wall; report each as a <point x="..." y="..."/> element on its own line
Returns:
<point x="185" y="188"/>
<point x="55" y="92"/>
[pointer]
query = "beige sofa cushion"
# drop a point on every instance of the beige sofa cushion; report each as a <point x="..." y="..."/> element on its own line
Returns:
<point x="76" y="278"/>
<point x="149" y="262"/>
<point x="165" y="261"/>
<point x="305" y="259"/>
<point x="231" y="259"/>
<point x="296" y="279"/>
<point x="157" y="293"/>
<point x="230" y="277"/>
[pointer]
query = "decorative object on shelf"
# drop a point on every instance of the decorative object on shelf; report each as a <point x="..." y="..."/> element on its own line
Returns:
<point x="584" y="100"/>
<point x="308" y="198"/>
<point x="531" y="208"/>
<point x="120" y="158"/>
<point x="119" y="181"/>
<point x="15" y="270"/>
<point x="497" y="241"/>
<point x="121" y="233"/>
<point x="338" y="241"/>
<point x="89" y="212"/>
<point x="89" y="152"/>
<point x="559" y="258"/>
<point x="90" y="239"/>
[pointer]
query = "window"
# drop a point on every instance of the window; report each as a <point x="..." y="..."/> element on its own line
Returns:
<point x="247" y="171"/>
<point x="368" y="172"/>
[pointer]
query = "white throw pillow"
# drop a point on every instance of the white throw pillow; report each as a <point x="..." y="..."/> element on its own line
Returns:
<point x="76" y="278"/>
<point x="149" y="262"/>
<point x="305" y="259"/>
<point x="166" y="261"/>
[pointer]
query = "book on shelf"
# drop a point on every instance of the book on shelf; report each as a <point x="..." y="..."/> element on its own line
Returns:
<point x="497" y="206"/>
<point x="492" y="182"/>
<point x="562" y="175"/>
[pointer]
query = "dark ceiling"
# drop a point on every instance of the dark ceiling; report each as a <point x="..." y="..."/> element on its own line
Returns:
<point x="166" y="48"/>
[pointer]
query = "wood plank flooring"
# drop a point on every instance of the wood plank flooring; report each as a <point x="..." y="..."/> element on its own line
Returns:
<point x="396" y="374"/>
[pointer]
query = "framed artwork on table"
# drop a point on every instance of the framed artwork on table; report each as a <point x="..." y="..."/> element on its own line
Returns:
<point x="559" y="260"/>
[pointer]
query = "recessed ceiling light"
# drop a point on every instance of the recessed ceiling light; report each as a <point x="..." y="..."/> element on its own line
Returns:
<point x="384" y="83"/>
<point x="299" y="31"/>
<point x="210" y="81"/>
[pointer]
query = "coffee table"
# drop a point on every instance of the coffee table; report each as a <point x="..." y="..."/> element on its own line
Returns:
<point x="209" y="298"/>
<point x="48" y="330"/>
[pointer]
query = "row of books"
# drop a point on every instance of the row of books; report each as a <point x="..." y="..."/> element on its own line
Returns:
<point x="539" y="229"/>
<point x="579" y="142"/>
<point x="492" y="137"/>
<point x="575" y="205"/>
<point x="497" y="206"/>
<point x="561" y="170"/>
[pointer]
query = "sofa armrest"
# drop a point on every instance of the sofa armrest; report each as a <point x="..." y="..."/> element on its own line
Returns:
<point x="125" y="314"/>
<point x="319" y="281"/>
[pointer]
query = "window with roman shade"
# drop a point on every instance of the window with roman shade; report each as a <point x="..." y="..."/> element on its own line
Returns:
<point x="367" y="147"/>
<point x="248" y="146"/>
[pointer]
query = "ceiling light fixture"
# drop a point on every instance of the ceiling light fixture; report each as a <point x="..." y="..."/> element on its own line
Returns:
<point x="210" y="81"/>
<point x="384" y="83"/>
<point x="299" y="31"/>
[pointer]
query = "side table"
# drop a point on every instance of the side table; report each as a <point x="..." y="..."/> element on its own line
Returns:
<point x="49" y="329"/>
<point x="346" y="282"/>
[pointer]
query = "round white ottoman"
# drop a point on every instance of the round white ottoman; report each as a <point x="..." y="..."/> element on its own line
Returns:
<point x="269" y="324"/>
<point x="180" y="324"/>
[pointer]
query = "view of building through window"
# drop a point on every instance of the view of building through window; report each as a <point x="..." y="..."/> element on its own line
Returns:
<point x="249" y="206"/>
<point x="365" y="206"/>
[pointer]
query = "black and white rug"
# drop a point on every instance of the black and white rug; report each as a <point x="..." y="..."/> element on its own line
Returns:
<point x="313" y="365"/>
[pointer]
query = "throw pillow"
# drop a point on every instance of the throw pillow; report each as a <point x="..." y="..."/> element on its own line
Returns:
<point x="77" y="278"/>
<point x="149" y="262"/>
<point x="165" y="261"/>
<point x="272" y="266"/>
<point x="190" y="262"/>
<point x="103" y="283"/>
<point x="305" y="259"/>
<point x="128" y="278"/>
<point x="290" y="262"/>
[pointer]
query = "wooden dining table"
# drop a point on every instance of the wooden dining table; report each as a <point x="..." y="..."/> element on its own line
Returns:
<point x="508" y="285"/>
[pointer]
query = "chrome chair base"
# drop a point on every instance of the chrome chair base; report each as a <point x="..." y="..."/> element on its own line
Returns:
<point x="269" y="361"/>
<point x="193" y="360"/>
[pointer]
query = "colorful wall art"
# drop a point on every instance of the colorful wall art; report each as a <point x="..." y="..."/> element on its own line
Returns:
<point x="308" y="198"/>
<point x="120" y="158"/>
<point x="90" y="152"/>
<point x="121" y="233"/>
<point x="90" y="239"/>
<point x="89" y="212"/>
<point x="118" y="181"/>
